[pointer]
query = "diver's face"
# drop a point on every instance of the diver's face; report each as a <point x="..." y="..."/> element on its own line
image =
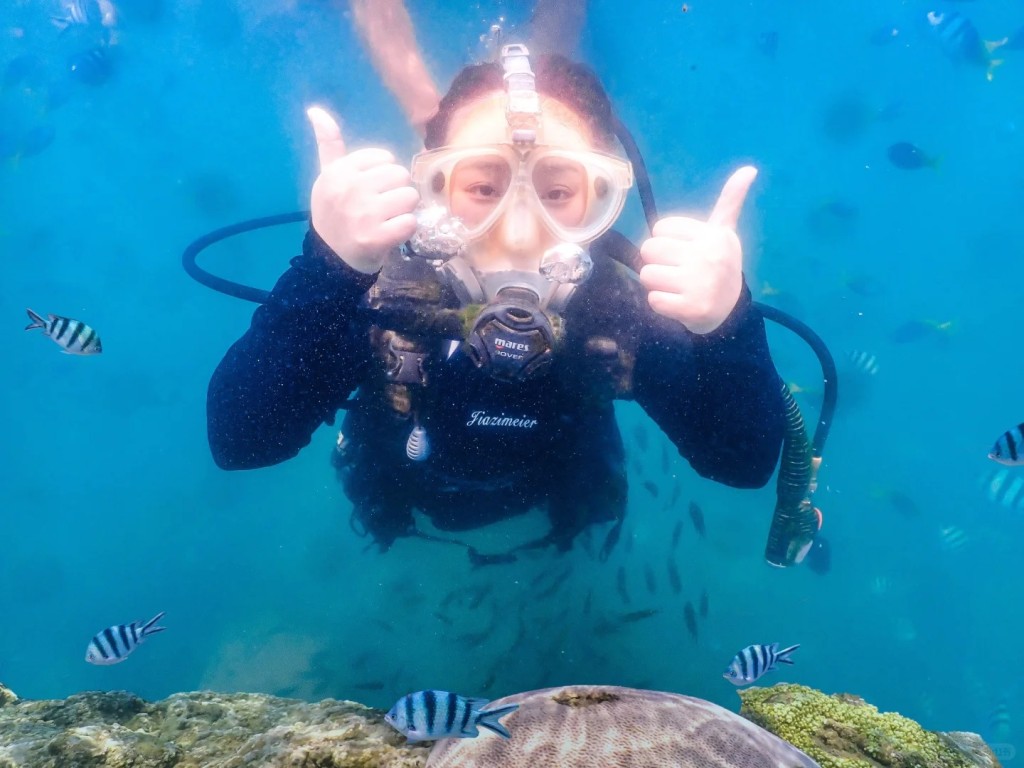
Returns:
<point x="519" y="237"/>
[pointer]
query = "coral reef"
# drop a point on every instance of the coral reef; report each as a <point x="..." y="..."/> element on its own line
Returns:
<point x="120" y="730"/>
<point x="579" y="725"/>
<point x="844" y="731"/>
<point x="565" y="727"/>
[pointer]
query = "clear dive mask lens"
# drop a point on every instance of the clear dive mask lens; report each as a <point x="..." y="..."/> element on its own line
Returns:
<point x="577" y="194"/>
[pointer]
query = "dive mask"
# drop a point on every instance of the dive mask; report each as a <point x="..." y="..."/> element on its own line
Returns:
<point x="577" y="194"/>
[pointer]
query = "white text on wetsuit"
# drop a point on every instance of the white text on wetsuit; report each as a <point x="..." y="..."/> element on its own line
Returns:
<point x="481" y="419"/>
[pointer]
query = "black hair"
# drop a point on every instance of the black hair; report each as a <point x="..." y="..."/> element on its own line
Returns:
<point x="575" y="85"/>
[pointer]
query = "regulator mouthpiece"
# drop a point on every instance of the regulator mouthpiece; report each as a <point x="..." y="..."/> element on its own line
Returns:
<point x="566" y="263"/>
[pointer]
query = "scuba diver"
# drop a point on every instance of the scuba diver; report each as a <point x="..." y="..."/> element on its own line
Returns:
<point x="477" y="317"/>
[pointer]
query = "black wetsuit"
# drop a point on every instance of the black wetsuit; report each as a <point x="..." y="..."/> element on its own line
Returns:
<point x="497" y="448"/>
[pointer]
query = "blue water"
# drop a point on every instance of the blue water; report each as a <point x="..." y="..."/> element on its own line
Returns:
<point x="112" y="509"/>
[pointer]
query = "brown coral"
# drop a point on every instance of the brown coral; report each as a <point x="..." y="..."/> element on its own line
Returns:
<point x="197" y="730"/>
<point x="579" y="726"/>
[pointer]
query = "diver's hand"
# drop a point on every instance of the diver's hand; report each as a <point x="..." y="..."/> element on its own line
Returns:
<point x="693" y="269"/>
<point x="362" y="202"/>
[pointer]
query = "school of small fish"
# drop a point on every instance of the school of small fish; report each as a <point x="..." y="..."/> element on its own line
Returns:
<point x="432" y="714"/>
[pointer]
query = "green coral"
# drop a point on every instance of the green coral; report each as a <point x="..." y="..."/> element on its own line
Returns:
<point x="844" y="731"/>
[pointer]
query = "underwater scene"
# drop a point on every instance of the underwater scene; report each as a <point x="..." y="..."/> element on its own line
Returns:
<point x="670" y="349"/>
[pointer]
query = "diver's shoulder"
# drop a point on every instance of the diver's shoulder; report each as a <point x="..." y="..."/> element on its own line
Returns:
<point x="611" y="296"/>
<point x="613" y="246"/>
<point x="616" y="264"/>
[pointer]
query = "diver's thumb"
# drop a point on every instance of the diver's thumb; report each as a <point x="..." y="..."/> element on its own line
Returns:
<point x="329" y="144"/>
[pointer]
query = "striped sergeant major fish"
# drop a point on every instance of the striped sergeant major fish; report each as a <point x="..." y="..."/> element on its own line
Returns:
<point x="73" y="336"/>
<point x="1009" y="448"/>
<point x="85" y="13"/>
<point x="1004" y="487"/>
<point x="754" y="660"/>
<point x="865" y="362"/>
<point x="430" y="714"/>
<point x="113" y="644"/>
<point x="952" y="538"/>
<point x="960" y="40"/>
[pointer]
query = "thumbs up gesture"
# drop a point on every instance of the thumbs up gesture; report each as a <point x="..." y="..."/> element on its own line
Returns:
<point x="693" y="269"/>
<point x="362" y="202"/>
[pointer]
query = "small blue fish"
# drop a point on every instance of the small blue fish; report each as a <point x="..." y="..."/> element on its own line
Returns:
<point x="73" y="336"/>
<point x="697" y="518"/>
<point x="113" y="644"/>
<point x="819" y="556"/>
<point x="27" y="69"/>
<point x="833" y="219"/>
<point x="908" y="157"/>
<point x="428" y="715"/>
<point x="768" y="43"/>
<point x="754" y="660"/>
<point x="1009" y="448"/>
<point x="919" y="330"/>
<point x="864" y="285"/>
<point x="36" y="140"/>
<point x="690" y="617"/>
<point x="901" y="502"/>
<point x="93" y="66"/>
<point x="847" y="117"/>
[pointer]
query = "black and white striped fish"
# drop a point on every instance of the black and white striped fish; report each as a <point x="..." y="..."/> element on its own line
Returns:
<point x="1004" y="487"/>
<point x="85" y="13"/>
<point x="961" y="41"/>
<point x="113" y="644"/>
<point x="1009" y="448"/>
<point x="754" y="660"/>
<point x="430" y="714"/>
<point x="865" y="362"/>
<point x="73" y="336"/>
<point x="952" y="538"/>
